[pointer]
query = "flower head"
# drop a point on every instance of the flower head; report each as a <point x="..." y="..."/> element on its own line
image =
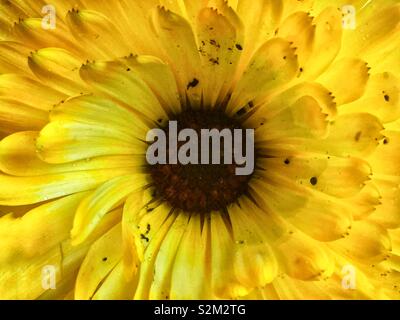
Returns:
<point x="80" y="89"/>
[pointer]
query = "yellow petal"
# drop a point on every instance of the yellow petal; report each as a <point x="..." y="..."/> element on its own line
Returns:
<point x="28" y="91"/>
<point x="395" y="239"/>
<point x="28" y="273"/>
<point x="382" y="98"/>
<point x="160" y="224"/>
<point x="302" y="119"/>
<point x="116" y="286"/>
<point x="131" y="254"/>
<point x="16" y="191"/>
<point x="261" y="18"/>
<point x="322" y="217"/>
<point x="58" y="214"/>
<point x="326" y="44"/>
<point x="190" y="275"/>
<point x="18" y="157"/>
<point x="269" y="195"/>
<point x="37" y="240"/>
<point x="366" y="201"/>
<point x="293" y="289"/>
<point x="339" y="177"/>
<point x="159" y="78"/>
<point x="390" y="62"/>
<point x="298" y="29"/>
<point x="266" y="293"/>
<point x="25" y="8"/>
<point x="165" y="260"/>
<point x="65" y="141"/>
<point x="101" y="259"/>
<point x="118" y="81"/>
<point x="223" y="280"/>
<point x="16" y="116"/>
<point x="289" y="98"/>
<point x="97" y="111"/>
<point x="191" y="7"/>
<point x="143" y="218"/>
<point x="294" y="6"/>
<point x="385" y="158"/>
<point x="305" y="259"/>
<point x="97" y="32"/>
<point x="177" y="6"/>
<point x="219" y="42"/>
<point x="377" y="33"/>
<point x="10" y="13"/>
<point x="178" y="42"/>
<point x="367" y="243"/>
<point x="346" y="79"/>
<point x="59" y="69"/>
<point x="121" y="13"/>
<point x="355" y="134"/>
<point x="31" y="32"/>
<point x="64" y="289"/>
<point x="272" y="67"/>
<point x="387" y="213"/>
<point x="107" y="197"/>
<point x="252" y="243"/>
<point x="13" y="57"/>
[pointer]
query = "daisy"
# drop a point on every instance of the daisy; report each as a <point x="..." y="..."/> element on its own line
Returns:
<point x="81" y="84"/>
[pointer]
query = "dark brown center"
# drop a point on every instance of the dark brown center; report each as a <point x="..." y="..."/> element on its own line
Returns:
<point x="200" y="188"/>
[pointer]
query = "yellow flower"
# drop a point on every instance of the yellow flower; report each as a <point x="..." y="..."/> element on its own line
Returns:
<point x="81" y="84"/>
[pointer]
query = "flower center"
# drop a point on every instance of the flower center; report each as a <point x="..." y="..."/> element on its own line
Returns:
<point x="210" y="182"/>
